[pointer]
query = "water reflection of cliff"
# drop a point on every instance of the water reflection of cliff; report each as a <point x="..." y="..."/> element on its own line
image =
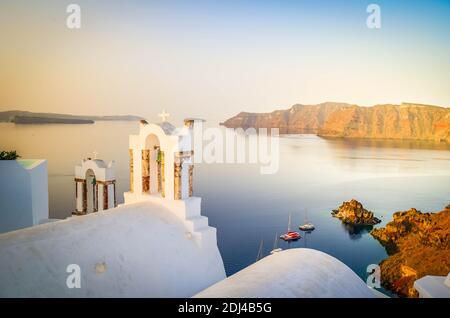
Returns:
<point x="356" y="231"/>
<point x="354" y="143"/>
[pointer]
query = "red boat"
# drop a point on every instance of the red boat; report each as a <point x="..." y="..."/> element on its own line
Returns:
<point x="290" y="235"/>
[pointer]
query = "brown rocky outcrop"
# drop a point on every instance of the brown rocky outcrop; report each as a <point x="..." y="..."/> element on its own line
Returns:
<point x="401" y="122"/>
<point x="418" y="245"/>
<point x="297" y="119"/>
<point x="353" y="212"/>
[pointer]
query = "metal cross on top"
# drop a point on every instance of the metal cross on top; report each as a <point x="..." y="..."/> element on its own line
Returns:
<point x="95" y="153"/>
<point x="164" y="115"/>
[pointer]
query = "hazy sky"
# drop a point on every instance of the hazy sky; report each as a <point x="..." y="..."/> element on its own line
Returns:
<point x="212" y="59"/>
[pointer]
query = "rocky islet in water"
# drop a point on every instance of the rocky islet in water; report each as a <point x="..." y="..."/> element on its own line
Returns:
<point x="353" y="212"/>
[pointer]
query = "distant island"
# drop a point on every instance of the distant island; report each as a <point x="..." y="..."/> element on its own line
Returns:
<point x="25" y="117"/>
<point x="407" y="121"/>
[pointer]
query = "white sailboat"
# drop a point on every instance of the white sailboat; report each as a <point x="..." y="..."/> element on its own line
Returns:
<point x="307" y="226"/>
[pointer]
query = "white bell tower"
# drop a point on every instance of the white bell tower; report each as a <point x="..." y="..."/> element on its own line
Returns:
<point x="162" y="172"/>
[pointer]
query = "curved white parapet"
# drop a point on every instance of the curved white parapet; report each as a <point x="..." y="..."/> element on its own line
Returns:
<point x="136" y="250"/>
<point x="293" y="273"/>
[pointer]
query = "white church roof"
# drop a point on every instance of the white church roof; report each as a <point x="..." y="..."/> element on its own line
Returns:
<point x="297" y="273"/>
<point x="103" y="171"/>
<point x="136" y="250"/>
<point x="100" y="163"/>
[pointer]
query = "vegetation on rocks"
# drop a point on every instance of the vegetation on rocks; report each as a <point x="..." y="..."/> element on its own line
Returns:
<point x="353" y="212"/>
<point x="418" y="244"/>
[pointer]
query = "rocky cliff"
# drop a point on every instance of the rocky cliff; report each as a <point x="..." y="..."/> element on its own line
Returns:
<point x="418" y="245"/>
<point x="406" y="121"/>
<point x="353" y="212"/>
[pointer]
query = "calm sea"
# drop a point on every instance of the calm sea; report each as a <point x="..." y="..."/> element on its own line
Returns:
<point x="315" y="175"/>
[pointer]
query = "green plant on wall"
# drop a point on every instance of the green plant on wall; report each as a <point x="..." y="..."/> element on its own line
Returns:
<point x="158" y="157"/>
<point x="9" y="155"/>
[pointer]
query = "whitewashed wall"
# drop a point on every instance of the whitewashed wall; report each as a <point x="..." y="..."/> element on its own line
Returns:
<point x="23" y="194"/>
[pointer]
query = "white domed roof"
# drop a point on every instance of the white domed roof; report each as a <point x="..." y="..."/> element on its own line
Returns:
<point x="137" y="250"/>
<point x="297" y="273"/>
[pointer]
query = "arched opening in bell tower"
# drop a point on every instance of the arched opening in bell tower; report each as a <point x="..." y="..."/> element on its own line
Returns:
<point x="152" y="166"/>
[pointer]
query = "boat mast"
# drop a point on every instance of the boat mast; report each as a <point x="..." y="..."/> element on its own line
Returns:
<point x="289" y="223"/>
<point x="259" y="256"/>
<point x="275" y="243"/>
